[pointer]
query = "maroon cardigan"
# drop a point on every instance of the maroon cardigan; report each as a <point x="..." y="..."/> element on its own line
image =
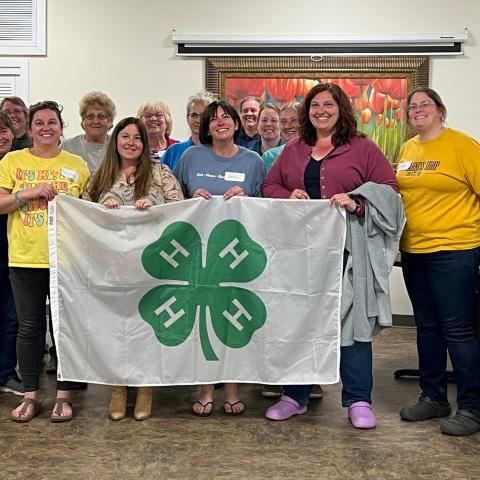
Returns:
<point x="343" y="170"/>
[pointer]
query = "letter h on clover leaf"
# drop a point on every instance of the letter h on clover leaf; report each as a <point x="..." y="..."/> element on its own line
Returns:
<point x="197" y="293"/>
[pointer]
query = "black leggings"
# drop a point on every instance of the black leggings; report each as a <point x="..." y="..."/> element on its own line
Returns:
<point x="30" y="289"/>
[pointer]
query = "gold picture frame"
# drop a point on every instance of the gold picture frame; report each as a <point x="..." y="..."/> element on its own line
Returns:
<point x="377" y="86"/>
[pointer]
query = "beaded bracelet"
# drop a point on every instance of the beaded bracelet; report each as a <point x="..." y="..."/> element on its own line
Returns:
<point x="18" y="199"/>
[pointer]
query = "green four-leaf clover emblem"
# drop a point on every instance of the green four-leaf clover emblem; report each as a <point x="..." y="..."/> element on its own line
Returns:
<point x="200" y="291"/>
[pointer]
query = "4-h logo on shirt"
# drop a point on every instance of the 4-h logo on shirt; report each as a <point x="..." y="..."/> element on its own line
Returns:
<point x="204" y="294"/>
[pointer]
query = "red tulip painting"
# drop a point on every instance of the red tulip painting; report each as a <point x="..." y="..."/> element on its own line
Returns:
<point x="379" y="103"/>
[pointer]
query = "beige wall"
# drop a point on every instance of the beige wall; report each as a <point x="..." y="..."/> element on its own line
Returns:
<point x="124" y="47"/>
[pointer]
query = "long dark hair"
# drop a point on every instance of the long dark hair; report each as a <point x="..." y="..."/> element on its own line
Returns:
<point x="109" y="169"/>
<point x="346" y="127"/>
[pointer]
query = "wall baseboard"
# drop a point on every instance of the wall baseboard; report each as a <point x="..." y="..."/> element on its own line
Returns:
<point x="403" y="321"/>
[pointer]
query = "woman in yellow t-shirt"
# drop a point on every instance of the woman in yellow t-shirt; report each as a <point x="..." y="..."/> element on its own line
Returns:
<point x="29" y="179"/>
<point x="439" y="179"/>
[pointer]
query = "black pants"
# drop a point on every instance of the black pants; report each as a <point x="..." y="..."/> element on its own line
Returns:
<point x="30" y="289"/>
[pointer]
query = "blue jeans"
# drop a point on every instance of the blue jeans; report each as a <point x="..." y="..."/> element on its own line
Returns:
<point x="355" y="372"/>
<point x="8" y="328"/>
<point x="442" y="287"/>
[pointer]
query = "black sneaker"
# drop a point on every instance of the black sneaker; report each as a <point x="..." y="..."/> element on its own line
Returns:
<point x="51" y="367"/>
<point x="425" y="409"/>
<point x="463" y="423"/>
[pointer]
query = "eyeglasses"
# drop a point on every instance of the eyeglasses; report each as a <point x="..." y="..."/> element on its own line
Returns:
<point x="93" y="116"/>
<point x="421" y="105"/>
<point x="148" y="116"/>
<point x="15" y="111"/>
<point x="194" y="115"/>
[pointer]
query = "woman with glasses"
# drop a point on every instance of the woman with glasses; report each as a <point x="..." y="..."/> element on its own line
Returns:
<point x="158" y="121"/>
<point x="97" y="112"/>
<point x="439" y="179"/>
<point x="127" y="176"/>
<point x="220" y="167"/>
<point x="195" y="106"/>
<point x="29" y="179"/>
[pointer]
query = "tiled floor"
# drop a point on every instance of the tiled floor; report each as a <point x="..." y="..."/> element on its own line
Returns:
<point x="174" y="444"/>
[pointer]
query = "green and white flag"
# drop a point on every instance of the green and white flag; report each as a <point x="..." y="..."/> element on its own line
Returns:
<point x="244" y="290"/>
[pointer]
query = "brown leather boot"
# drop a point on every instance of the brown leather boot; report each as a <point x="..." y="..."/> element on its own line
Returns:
<point x="143" y="405"/>
<point x="118" y="403"/>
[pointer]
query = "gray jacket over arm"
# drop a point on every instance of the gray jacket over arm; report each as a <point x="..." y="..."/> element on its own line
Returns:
<point x="372" y="244"/>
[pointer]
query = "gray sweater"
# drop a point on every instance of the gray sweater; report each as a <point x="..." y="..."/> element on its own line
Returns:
<point x="372" y="243"/>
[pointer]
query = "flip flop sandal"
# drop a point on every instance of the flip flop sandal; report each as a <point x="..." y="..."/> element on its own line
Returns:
<point x="204" y="405"/>
<point x="22" y="418"/>
<point x="231" y="412"/>
<point x="58" y="410"/>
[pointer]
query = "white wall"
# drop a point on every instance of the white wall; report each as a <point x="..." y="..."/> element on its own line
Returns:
<point x="124" y="48"/>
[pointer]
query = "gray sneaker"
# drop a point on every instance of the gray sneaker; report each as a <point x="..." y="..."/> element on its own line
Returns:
<point x="317" y="392"/>
<point x="14" y="385"/>
<point x="463" y="423"/>
<point x="425" y="409"/>
<point x="272" y="391"/>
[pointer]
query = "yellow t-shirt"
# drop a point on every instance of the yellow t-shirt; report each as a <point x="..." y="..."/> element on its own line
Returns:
<point x="440" y="185"/>
<point x="27" y="226"/>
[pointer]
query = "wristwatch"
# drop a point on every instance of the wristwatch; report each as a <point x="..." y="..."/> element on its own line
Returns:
<point x="357" y="205"/>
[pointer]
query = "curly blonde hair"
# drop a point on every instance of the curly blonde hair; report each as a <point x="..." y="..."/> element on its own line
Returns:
<point x="98" y="100"/>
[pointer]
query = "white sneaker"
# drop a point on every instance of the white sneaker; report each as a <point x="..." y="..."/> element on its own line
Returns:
<point x="15" y="386"/>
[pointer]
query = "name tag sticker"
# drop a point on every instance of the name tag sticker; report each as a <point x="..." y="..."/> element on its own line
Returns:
<point x="65" y="172"/>
<point x="403" y="166"/>
<point x="234" y="177"/>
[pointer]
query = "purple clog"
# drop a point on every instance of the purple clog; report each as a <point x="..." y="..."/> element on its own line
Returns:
<point x="287" y="407"/>
<point x="361" y="415"/>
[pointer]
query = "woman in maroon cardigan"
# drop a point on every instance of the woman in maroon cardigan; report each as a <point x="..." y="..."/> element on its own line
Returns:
<point x="329" y="159"/>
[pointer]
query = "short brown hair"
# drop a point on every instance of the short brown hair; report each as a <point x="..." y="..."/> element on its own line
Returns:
<point x="17" y="101"/>
<point x="433" y="95"/>
<point x="250" y="97"/>
<point x="210" y="112"/>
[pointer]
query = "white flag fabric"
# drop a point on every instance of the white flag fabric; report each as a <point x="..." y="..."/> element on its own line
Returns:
<point x="244" y="290"/>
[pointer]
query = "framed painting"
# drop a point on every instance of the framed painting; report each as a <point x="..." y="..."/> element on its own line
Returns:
<point x="377" y="86"/>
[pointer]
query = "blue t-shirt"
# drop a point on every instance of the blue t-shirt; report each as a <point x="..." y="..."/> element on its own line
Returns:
<point x="201" y="167"/>
<point x="174" y="152"/>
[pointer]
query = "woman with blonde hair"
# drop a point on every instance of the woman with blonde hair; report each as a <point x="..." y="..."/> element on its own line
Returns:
<point x="97" y="112"/>
<point x="158" y="121"/>
<point x="127" y="176"/>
